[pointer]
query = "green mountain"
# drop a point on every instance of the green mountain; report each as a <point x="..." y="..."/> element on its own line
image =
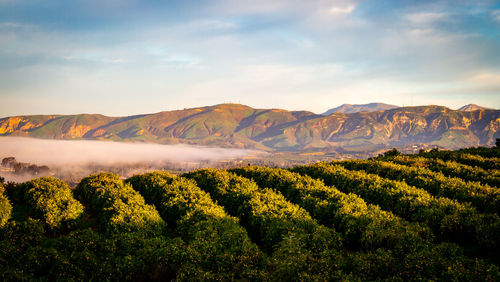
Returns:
<point x="240" y="126"/>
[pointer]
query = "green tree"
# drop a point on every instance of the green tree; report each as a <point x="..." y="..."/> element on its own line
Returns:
<point x="51" y="200"/>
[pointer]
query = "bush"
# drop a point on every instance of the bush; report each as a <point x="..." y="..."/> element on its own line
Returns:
<point x="119" y="207"/>
<point x="362" y="225"/>
<point x="483" y="197"/>
<point x="392" y="247"/>
<point x="52" y="202"/>
<point x="82" y="255"/>
<point x="451" y="169"/>
<point x="481" y="157"/>
<point x="5" y="210"/>
<point x="277" y="225"/>
<point x="5" y="207"/>
<point x="449" y="219"/>
<point x="217" y="244"/>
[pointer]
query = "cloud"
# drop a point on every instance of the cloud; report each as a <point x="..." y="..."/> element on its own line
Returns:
<point x="302" y="53"/>
<point x="15" y="25"/>
<point x="253" y="7"/>
<point x="426" y="18"/>
<point x="342" y="9"/>
<point x="211" y="24"/>
<point x="286" y="8"/>
<point x="486" y="78"/>
<point x="496" y="15"/>
<point x="180" y="60"/>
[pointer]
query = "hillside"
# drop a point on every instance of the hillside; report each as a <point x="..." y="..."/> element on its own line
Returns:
<point x="472" y="107"/>
<point x="239" y="126"/>
<point x="349" y="108"/>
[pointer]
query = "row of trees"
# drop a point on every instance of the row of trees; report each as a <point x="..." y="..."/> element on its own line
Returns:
<point x="316" y="222"/>
<point x="450" y="168"/>
<point x="219" y="247"/>
<point x="405" y="246"/>
<point x="31" y="251"/>
<point x="450" y="220"/>
<point x="483" y="197"/>
<point x="362" y="225"/>
<point x="487" y="161"/>
<point x="299" y="247"/>
<point x="21" y="168"/>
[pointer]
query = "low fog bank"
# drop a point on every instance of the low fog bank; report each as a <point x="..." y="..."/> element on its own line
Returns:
<point x="77" y="158"/>
<point x="84" y="152"/>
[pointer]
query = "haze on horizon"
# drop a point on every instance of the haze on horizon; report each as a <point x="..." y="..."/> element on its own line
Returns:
<point x="128" y="57"/>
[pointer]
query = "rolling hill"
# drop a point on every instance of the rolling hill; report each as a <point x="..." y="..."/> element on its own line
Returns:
<point x="240" y="126"/>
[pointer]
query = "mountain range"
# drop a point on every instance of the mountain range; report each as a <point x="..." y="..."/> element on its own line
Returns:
<point x="240" y="126"/>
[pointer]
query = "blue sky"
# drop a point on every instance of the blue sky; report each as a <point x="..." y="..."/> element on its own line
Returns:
<point x="122" y="57"/>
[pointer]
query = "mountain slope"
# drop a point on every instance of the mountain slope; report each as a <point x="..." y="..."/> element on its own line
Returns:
<point x="349" y="108"/>
<point x="472" y="107"/>
<point x="239" y="126"/>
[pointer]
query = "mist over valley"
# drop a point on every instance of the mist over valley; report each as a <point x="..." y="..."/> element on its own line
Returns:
<point x="74" y="159"/>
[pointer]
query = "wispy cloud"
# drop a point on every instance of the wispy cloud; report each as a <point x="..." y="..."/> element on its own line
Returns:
<point x="15" y="25"/>
<point x="342" y="9"/>
<point x="486" y="78"/>
<point x="180" y="60"/>
<point x="293" y="53"/>
<point x="425" y="18"/>
<point x="496" y="15"/>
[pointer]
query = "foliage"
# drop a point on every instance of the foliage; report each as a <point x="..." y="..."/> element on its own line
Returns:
<point x="217" y="244"/>
<point x="481" y="157"/>
<point x="481" y="196"/>
<point x="450" y="168"/>
<point x="392" y="153"/>
<point x="362" y="225"/>
<point x="316" y="222"/>
<point x="119" y="207"/>
<point x="275" y="224"/>
<point x="5" y="207"/>
<point x="450" y="219"/>
<point x="83" y="255"/>
<point x="388" y="239"/>
<point x="51" y="201"/>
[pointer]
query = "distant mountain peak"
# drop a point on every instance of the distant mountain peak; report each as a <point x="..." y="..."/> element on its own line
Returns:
<point x="472" y="107"/>
<point x="350" y="108"/>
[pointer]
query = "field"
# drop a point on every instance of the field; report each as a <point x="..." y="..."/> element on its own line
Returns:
<point x="427" y="216"/>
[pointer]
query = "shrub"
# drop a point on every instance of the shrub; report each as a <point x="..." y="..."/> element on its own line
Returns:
<point x="362" y="225"/>
<point x="5" y="207"/>
<point x="483" y="197"/>
<point x="282" y="229"/>
<point x="216" y="243"/>
<point x="449" y="219"/>
<point x="52" y="202"/>
<point x="119" y="207"/>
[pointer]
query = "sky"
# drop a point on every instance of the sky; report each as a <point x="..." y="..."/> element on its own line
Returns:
<point x="124" y="57"/>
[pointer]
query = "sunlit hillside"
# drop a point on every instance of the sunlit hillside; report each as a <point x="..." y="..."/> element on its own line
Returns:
<point x="239" y="126"/>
